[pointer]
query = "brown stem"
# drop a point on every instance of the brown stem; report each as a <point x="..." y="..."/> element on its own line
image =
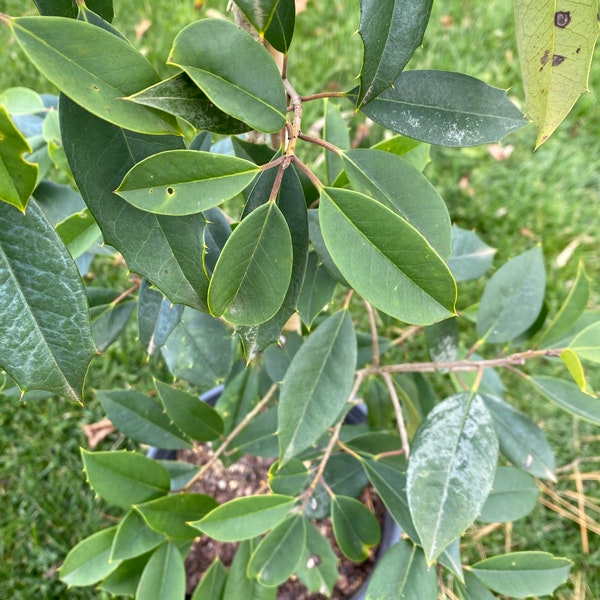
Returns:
<point x="398" y="412"/>
<point x="313" y="178"/>
<point x="126" y="293"/>
<point x="320" y="142"/>
<point x="374" y="334"/>
<point x="321" y="95"/>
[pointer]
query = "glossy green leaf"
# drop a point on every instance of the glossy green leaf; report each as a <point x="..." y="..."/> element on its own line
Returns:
<point x="125" y="478"/>
<point x="556" y="45"/>
<point x="134" y="538"/>
<point x="180" y="96"/>
<point x="513" y="496"/>
<point x="238" y="584"/>
<point x="402" y="188"/>
<point x="569" y="397"/>
<point x="573" y="362"/>
<point x="317" y="385"/>
<point x="79" y="232"/>
<point x="169" y="515"/>
<point x="258" y="12"/>
<point x="345" y="476"/>
<point x="512" y="298"/>
<point x="355" y="527"/>
<point x="183" y="182"/>
<point x="451" y="470"/>
<point x="72" y="55"/>
<point x="142" y="419"/>
<point x="21" y="101"/>
<point x="18" y="177"/>
<point x="290" y="479"/>
<point x="164" y="575"/>
<point x="279" y="552"/>
<point x="253" y="272"/>
<point x="403" y="573"/>
<point x="163" y="249"/>
<point x="199" y="350"/>
<point x="125" y="579"/>
<point x="444" y="108"/>
<point x="367" y="239"/>
<point x="281" y="30"/>
<point x="245" y="518"/>
<point x="212" y="583"/>
<point x="67" y="8"/>
<point x="316" y="238"/>
<point x="521" y="440"/>
<point x="523" y="574"/>
<point x="391" y="31"/>
<point x="236" y="73"/>
<point x="470" y="257"/>
<point x="317" y="291"/>
<point x="571" y="309"/>
<point x="46" y="340"/>
<point x="193" y="416"/>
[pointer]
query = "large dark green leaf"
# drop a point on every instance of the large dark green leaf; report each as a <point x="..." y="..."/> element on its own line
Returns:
<point x="236" y="73"/>
<point x="451" y="470"/>
<point x="448" y="109"/>
<point x="385" y="259"/>
<point x="391" y="30"/>
<point x="163" y="249"/>
<point x="45" y="335"/>
<point x="281" y="30"/>
<point x="73" y="55"/>
<point x="67" y="8"/>
<point x="317" y="384"/>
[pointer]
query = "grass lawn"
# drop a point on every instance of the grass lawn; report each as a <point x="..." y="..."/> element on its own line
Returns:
<point x="550" y="196"/>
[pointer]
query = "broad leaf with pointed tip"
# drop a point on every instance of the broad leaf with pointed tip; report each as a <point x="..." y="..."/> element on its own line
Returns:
<point x="164" y="575"/>
<point x="46" y="339"/>
<point x="281" y="30"/>
<point x="212" y="583"/>
<point x="134" y="538"/>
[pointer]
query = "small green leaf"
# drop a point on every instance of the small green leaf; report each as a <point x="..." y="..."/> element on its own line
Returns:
<point x="512" y="298"/>
<point x="336" y="132"/>
<point x="253" y="272"/>
<point x="126" y="578"/>
<point x="236" y="73"/>
<point x="470" y="257"/>
<point x="21" y="101"/>
<point x="79" y="232"/>
<point x="238" y="584"/>
<point x="513" y="496"/>
<point x="125" y="478"/>
<point x="345" y="476"/>
<point x="367" y="239"/>
<point x="281" y="30"/>
<point x="18" y="177"/>
<point x="444" y="108"/>
<point x="134" y="538"/>
<point x="245" y="518"/>
<point x="573" y="362"/>
<point x="89" y="561"/>
<point x="183" y="182"/>
<point x="403" y="573"/>
<point x="317" y="291"/>
<point x="279" y="552"/>
<point x="290" y="479"/>
<point x="355" y="527"/>
<point x="164" y="575"/>
<point x="109" y="320"/>
<point x="451" y="470"/>
<point x="258" y="12"/>
<point x="212" y="583"/>
<point x="474" y="589"/>
<point x="142" y="419"/>
<point x="586" y="344"/>
<point x="412" y="151"/>
<point x="317" y="385"/>
<point x="258" y="438"/>
<point x="193" y="416"/>
<point x="169" y="515"/>
<point x="523" y="574"/>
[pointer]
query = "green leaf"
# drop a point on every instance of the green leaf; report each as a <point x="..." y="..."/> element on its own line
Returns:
<point x="412" y="151"/>
<point x="164" y="250"/>
<point x="245" y="518"/>
<point x="586" y="344"/>
<point x="109" y="320"/>
<point x="238" y="584"/>
<point x="183" y="182"/>
<point x="169" y="515"/>
<point x="199" y="350"/>
<point x="21" y="101"/>
<point x="556" y="45"/>
<point x="240" y="395"/>
<point x="569" y="397"/>
<point x="316" y="238"/>
<point x="513" y="496"/>
<point x="474" y="589"/>
<point x="391" y="31"/>
<point x="336" y="132"/>
<point x="355" y="527"/>
<point x="253" y="272"/>
<point x="258" y="438"/>
<point x="212" y="583"/>
<point x="88" y="562"/>
<point x="163" y="576"/>
<point x="402" y="188"/>
<point x="444" y="108"/>
<point x="142" y="419"/>
<point x="126" y="578"/>
<point x="451" y="470"/>
<point x="279" y="552"/>
<point x="512" y="298"/>
<point x="317" y="291"/>
<point x="180" y="96"/>
<point x="289" y="479"/>
<point x="281" y="30"/>
<point x="18" y="177"/>
<point x="365" y="238"/>
<point x="470" y="257"/>
<point x="236" y="73"/>
<point x="193" y="416"/>
<point x="403" y="573"/>
<point x="523" y="574"/>
<point x="79" y="232"/>
<point x="125" y="478"/>
<point x="573" y="363"/>
<point x="442" y="340"/>
<point x="46" y="342"/>
<point x="180" y="472"/>
<point x="278" y="357"/>
<point x="134" y="538"/>
<point x="317" y="385"/>
<point x="345" y="476"/>
<point x="258" y="12"/>
<point x="66" y="8"/>
<point x="72" y="55"/>
<point x="521" y="440"/>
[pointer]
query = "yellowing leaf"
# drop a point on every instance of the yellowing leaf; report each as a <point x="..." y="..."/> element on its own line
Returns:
<point x="556" y="44"/>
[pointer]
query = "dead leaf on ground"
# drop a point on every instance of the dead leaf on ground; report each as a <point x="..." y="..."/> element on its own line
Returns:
<point x="96" y="432"/>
